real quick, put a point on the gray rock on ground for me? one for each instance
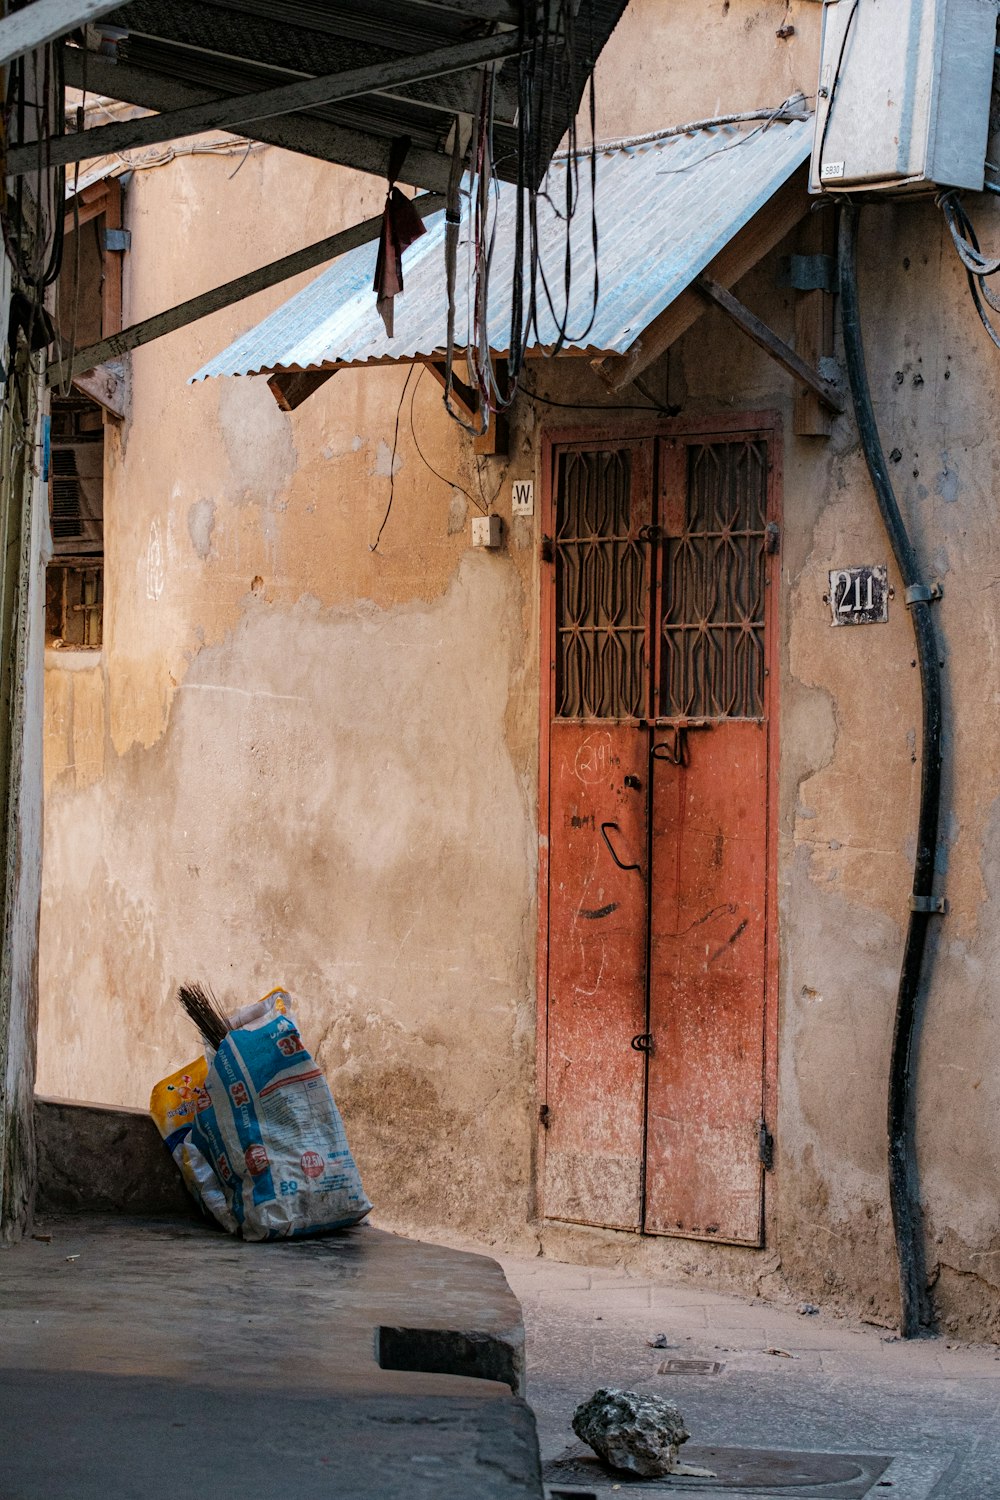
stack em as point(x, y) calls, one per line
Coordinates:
point(637, 1433)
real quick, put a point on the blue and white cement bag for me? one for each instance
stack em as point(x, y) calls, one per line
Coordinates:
point(265, 1125)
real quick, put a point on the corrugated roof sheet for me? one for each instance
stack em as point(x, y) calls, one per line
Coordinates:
point(665, 208)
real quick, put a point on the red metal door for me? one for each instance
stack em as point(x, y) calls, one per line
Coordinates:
point(658, 784)
point(709, 862)
point(598, 799)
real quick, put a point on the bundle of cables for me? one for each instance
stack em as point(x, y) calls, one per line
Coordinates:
point(552, 68)
point(977, 265)
point(32, 212)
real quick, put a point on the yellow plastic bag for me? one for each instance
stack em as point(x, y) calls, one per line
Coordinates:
point(174, 1104)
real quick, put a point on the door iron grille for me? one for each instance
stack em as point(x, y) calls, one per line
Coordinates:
point(601, 589)
point(712, 654)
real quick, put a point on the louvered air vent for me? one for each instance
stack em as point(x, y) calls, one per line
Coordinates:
point(66, 518)
point(76, 496)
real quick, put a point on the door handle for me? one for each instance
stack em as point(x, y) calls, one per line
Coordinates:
point(611, 851)
point(643, 1042)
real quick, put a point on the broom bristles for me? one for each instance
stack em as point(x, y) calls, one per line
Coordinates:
point(205, 1011)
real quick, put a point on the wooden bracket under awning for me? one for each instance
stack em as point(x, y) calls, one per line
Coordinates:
point(291, 387)
point(107, 387)
point(768, 340)
point(768, 227)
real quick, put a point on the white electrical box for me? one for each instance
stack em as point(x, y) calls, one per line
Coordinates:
point(487, 531)
point(904, 95)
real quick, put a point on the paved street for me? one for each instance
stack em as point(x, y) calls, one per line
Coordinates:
point(147, 1358)
point(919, 1419)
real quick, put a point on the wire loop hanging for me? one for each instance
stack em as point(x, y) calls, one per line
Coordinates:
point(977, 265)
point(557, 59)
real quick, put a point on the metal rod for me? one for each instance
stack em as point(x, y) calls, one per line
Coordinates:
point(901, 1106)
point(226, 112)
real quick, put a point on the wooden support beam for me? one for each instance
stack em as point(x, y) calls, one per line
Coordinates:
point(233, 291)
point(768, 340)
point(495, 441)
point(243, 110)
point(814, 321)
point(305, 134)
point(464, 397)
point(254, 31)
point(111, 263)
point(106, 387)
point(85, 211)
point(766, 229)
point(291, 387)
point(34, 25)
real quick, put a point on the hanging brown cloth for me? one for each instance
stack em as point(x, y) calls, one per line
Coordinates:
point(401, 225)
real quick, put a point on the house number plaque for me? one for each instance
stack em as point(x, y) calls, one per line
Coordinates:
point(859, 596)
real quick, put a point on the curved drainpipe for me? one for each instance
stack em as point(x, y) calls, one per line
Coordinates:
point(903, 1184)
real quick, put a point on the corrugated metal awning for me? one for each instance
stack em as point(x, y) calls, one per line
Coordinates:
point(665, 208)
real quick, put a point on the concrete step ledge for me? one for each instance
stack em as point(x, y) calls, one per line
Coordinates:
point(102, 1158)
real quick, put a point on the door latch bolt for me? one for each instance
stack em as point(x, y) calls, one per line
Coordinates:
point(765, 1142)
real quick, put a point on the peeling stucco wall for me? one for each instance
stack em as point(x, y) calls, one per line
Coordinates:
point(331, 806)
point(297, 760)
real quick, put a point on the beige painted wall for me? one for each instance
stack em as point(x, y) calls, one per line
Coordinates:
point(299, 761)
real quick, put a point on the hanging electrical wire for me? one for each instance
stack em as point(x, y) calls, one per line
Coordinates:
point(452, 484)
point(566, 69)
point(977, 265)
point(373, 546)
point(556, 61)
point(31, 226)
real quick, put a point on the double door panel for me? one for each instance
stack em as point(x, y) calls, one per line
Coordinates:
point(658, 837)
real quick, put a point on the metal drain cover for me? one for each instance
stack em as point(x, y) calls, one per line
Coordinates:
point(738, 1471)
point(690, 1367)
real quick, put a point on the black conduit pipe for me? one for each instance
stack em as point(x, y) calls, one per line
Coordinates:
point(903, 1184)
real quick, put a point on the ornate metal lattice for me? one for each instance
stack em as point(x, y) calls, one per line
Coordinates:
point(712, 651)
point(601, 589)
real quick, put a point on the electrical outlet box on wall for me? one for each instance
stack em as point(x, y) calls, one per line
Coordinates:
point(487, 531)
point(903, 102)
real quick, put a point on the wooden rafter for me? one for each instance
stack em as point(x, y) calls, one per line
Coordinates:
point(306, 134)
point(244, 110)
point(288, 50)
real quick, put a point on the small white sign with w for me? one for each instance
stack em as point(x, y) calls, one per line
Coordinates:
point(522, 501)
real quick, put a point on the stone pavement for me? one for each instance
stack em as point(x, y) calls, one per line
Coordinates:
point(143, 1359)
point(840, 1411)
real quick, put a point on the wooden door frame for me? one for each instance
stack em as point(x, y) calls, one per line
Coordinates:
point(603, 434)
